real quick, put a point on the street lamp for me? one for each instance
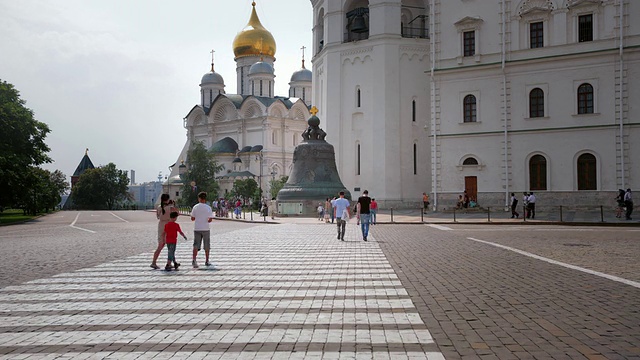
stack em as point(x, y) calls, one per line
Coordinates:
point(260, 157)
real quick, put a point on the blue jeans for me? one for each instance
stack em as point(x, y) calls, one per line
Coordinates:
point(364, 224)
point(373, 216)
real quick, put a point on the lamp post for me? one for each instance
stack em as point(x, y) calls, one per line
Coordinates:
point(260, 157)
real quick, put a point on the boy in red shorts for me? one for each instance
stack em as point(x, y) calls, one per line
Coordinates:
point(172, 228)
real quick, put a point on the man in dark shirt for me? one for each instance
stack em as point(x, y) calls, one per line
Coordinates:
point(364, 213)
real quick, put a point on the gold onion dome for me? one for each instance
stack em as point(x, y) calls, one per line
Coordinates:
point(254, 39)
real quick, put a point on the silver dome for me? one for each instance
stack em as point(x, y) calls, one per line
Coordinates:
point(261, 67)
point(302, 75)
point(212, 78)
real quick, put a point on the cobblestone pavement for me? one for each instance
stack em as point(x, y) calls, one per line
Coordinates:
point(278, 291)
point(292, 290)
point(480, 301)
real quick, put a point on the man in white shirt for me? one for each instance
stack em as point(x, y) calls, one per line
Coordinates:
point(340, 206)
point(532, 205)
point(202, 215)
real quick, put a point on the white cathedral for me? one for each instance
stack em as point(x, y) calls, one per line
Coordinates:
point(442, 96)
point(253, 133)
point(488, 96)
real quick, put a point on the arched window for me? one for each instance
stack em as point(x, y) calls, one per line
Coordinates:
point(358, 98)
point(585, 99)
point(470, 161)
point(536, 103)
point(413, 111)
point(538, 173)
point(587, 176)
point(470, 108)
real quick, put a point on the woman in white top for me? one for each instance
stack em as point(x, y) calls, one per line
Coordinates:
point(163, 212)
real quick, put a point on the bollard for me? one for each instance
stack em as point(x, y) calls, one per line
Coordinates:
point(391, 215)
point(560, 213)
point(601, 214)
point(524, 213)
point(421, 214)
point(454, 215)
point(252, 216)
point(488, 213)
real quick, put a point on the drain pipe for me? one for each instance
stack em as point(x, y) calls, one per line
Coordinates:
point(504, 99)
point(620, 108)
point(434, 167)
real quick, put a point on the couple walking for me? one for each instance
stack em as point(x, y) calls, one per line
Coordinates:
point(168, 229)
point(342, 212)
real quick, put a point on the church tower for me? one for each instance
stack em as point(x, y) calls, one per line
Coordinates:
point(211, 86)
point(252, 45)
point(300, 84)
point(369, 61)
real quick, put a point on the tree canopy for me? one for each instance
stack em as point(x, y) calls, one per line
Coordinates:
point(101, 188)
point(22, 145)
point(245, 190)
point(277, 185)
point(201, 171)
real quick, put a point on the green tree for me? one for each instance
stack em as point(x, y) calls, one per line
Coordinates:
point(246, 190)
point(101, 188)
point(277, 185)
point(42, 191)
point(21, 144)
point(201, 170)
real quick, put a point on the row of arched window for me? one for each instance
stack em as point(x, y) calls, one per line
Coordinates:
point(585, 99)
point(585, 170)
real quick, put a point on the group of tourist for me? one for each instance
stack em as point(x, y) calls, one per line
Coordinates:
point(625, 204)
point(168, 230)
point(339, 209)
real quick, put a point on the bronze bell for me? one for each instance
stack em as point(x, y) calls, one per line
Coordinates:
point(359, 25)
point(314, 176)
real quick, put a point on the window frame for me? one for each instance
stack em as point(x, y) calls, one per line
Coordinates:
point(539, 110)
point(537, 34)
point(538, 178)
point(467, 110)
point(587, 172)
point(585, 99)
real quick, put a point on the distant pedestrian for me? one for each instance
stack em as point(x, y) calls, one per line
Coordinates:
point(327, 210)
point(342, 211)
point(620, 203)
point(364, 213)
point(425, 201)
point(374, 211)
point(628, 203)
point(320, 211)
point(525, 204)
point(202, 215)
point(514, 206)
point(333, 213)
point(532, 205)
point(172, 228)
point(467, 200)
point(163, 214)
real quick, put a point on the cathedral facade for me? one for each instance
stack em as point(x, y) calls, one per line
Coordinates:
point(253, 133)
point(491, 97)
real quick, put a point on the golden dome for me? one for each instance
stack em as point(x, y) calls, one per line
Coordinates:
point(254, 39)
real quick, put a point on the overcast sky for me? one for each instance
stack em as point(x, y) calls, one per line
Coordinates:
point(118, 76)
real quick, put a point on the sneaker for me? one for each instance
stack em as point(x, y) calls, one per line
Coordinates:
point(167, 268)
point(194, 264)
point(338, 236)
point(365, 238)
point(176, 265)
point(207, 263)
point(342, 238)
point(154, 266)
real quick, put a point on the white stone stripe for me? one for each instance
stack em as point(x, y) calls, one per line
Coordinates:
point(203, 304)
point(228, 294)
point(410, 355)
point(373, 318)
point(375, 337)
point(205, 285)
point(194, 275)
point(231, 271)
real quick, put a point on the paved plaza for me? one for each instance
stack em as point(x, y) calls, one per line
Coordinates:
point(291, 290)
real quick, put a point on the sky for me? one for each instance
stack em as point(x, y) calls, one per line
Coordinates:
point(118, 76)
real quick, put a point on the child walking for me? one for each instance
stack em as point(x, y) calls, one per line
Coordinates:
point(172, 228)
